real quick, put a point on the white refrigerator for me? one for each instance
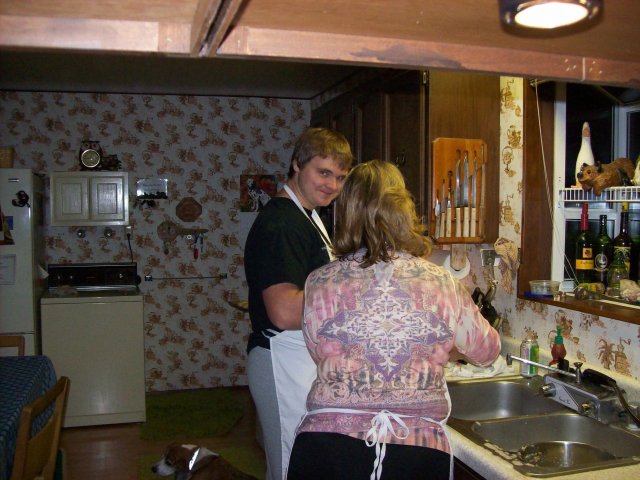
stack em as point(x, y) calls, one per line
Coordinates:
point(22, 272)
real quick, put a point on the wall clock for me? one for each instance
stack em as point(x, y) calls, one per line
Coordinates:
point(90, 154)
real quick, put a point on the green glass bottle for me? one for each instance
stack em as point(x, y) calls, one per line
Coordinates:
point(584, 249)
point(603, 254)
point(623, 243)
point(617, 271)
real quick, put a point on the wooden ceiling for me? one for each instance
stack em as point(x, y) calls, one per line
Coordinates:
point(464, 35)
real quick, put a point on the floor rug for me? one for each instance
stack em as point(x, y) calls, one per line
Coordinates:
point(242, 458)
point(190, 414)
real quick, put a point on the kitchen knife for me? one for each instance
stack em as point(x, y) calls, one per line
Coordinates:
point(443, 212)
point(472, 214)
point(457, 201)
point(449, 206)
point(437, 216)
point(483, 183)
point(465, 195)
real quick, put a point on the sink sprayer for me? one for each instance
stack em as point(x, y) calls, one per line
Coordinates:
point(589, 393)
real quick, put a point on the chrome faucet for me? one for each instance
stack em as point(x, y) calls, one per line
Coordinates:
point(590, 393)
point(577, 375)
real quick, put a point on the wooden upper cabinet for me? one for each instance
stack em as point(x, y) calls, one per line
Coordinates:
point(89, 198)
point(405, 131)
point(369, 125)
point(384, 119)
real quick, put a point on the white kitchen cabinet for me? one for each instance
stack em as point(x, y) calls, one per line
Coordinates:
point(89, 198)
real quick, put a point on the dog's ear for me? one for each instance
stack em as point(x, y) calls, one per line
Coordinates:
point(177, 456)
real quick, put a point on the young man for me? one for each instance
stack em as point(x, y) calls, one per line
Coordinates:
point(287, 242)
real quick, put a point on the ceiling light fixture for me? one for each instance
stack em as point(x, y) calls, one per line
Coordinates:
point(548, 14)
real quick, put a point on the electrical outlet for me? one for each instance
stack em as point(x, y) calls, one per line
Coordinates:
point(488, 257)
point(128, 229)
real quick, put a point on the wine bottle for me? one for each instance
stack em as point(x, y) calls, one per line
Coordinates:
point(584, 249)
point(617, 271)
point(623, 243)
point(585, 154)
point(603, 254)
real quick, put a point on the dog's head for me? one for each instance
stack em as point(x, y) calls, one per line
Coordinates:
point(180, 460)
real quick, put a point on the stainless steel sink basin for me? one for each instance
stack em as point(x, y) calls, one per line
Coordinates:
point(515, 397)
point(538, 436)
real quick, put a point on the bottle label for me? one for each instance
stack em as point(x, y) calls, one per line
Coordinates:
point(529, 350)
point(626, 255)
point(601, 262)
point(587, 252)
point(584, 264)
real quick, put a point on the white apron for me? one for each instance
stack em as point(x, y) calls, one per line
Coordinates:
point(383, 423)
point(294, 371)
point(293, 368)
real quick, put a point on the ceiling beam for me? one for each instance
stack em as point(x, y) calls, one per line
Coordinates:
point(404, 53)
point(219, 27)
point(94, 34)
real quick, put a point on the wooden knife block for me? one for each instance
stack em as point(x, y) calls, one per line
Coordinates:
point(446, 152)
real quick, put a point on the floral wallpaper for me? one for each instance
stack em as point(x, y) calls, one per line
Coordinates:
point(193, 336)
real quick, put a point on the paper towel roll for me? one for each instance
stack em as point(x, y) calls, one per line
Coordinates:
point(443, 259)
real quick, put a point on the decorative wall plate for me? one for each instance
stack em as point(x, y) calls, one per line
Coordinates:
point(188, 210)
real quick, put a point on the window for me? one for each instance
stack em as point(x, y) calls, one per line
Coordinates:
point(615, 132)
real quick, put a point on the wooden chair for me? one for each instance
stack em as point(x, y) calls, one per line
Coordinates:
point(17, 341)
point(35, 457)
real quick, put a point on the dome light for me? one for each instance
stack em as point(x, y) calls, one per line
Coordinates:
point(548, 14)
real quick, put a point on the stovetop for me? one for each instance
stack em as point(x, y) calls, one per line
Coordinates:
point(93, 277)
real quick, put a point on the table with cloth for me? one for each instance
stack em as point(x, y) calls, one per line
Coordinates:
point(22, 380)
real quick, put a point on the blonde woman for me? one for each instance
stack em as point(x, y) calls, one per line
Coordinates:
point(379, 323)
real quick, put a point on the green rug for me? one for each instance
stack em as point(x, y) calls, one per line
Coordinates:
point(190, 414)
point(240, 457)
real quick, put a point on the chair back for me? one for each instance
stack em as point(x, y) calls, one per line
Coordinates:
point(36, 455)
point(17, 341)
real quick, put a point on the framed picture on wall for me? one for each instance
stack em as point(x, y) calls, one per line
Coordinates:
point(256, 191)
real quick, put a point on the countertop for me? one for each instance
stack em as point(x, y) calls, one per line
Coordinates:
point(492, 467)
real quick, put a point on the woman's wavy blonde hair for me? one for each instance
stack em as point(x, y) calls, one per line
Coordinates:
point(375, 211)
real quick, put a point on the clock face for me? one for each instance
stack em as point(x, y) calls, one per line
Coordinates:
point(90, 158)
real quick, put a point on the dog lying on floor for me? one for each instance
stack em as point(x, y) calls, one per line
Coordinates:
point(191, 462)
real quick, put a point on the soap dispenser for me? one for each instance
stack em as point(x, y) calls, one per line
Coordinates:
point(558, 351)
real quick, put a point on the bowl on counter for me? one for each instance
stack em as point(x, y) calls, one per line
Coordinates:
point(544, 287)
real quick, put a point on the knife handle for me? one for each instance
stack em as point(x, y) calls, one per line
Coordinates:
point(472, 222)
point(437, 228)
point(465, 222)
point(458, 222)
point(447, 232)
point(443, 219)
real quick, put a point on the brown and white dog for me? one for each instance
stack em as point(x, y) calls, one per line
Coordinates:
point(191, 462)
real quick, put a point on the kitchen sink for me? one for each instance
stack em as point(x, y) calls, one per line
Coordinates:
point(537, 435)
point(515, 397)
